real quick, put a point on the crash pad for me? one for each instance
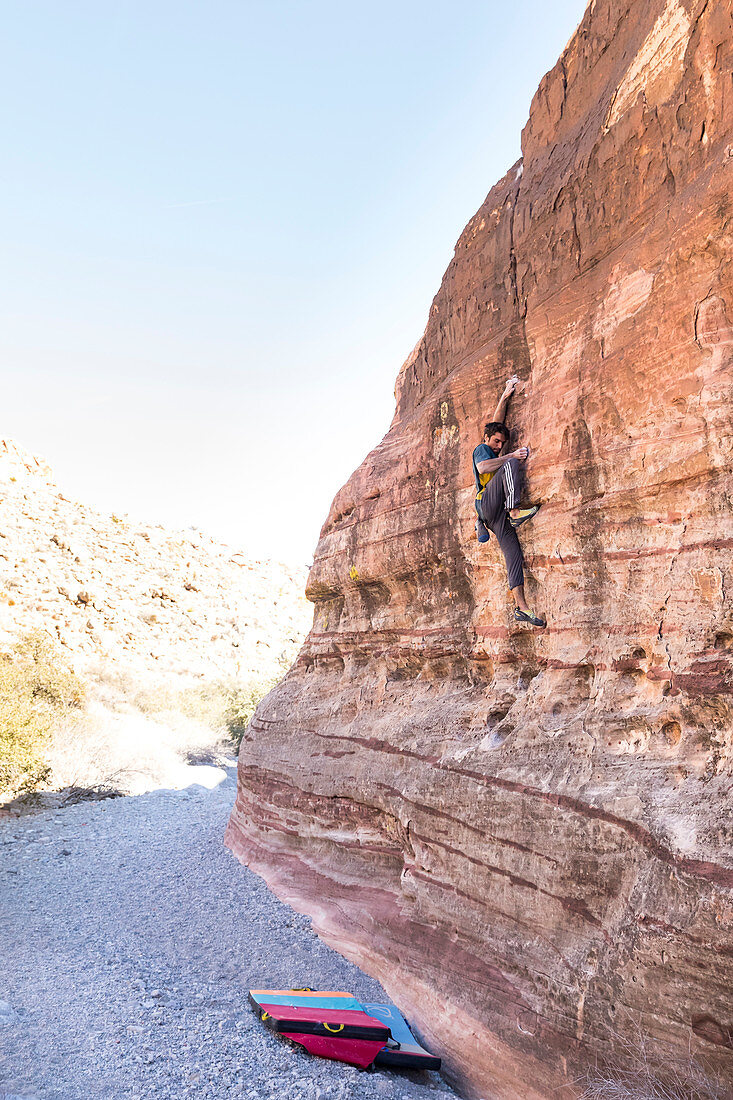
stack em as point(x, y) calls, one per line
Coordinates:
point(298, 993)
point(356, 1052)
point(410, 1054)
point(312, 999)
point(334, 1024)
point(307, 1020)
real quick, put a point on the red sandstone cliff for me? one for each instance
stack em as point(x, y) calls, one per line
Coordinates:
point(526, 835)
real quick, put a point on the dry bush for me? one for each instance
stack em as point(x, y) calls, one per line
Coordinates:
point(84, 756)
point(641, 1071)
point(128, 738)
point(38, 693)
point(629, 1085)
point(134, 737)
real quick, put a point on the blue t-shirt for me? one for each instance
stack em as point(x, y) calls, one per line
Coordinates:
point(481, 454)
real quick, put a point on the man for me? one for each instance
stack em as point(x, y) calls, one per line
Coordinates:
point(498, 487)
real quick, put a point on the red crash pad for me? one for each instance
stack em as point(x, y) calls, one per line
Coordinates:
point(357, 1052)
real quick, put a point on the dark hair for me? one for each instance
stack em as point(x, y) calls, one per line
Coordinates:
point(495, 426)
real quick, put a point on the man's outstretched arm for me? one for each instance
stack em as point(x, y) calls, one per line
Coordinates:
point(500, 410)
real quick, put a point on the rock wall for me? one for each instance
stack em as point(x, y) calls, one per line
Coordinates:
point(527, 835)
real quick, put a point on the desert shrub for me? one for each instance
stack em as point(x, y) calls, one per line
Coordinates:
point(37, 692)
point(223, 706)
point(240, 704)
point(226, 706)
point(242, 699)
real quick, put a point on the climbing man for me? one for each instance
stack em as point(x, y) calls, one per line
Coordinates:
point(498, 488)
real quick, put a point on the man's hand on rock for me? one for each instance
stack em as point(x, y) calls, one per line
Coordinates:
point(510, 387)
point(522, 453)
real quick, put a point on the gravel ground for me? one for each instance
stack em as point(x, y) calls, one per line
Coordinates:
point(130, 937)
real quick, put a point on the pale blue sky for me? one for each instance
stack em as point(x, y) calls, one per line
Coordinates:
point(224, 225)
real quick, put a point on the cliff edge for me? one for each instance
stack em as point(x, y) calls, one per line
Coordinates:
point(526, 836)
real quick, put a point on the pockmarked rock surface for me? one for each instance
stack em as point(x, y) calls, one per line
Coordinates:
point(527, 835)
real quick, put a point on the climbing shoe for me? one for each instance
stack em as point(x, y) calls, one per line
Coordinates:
point(524, 515)
point(528, 617)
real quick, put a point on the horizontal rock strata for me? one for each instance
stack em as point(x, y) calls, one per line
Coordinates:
point(527, 835)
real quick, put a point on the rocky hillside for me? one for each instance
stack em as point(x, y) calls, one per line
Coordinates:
point(174, 636)
point(527, 835)
point(148, 602)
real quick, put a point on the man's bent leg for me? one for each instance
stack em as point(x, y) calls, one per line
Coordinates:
point(501, 493)
point(513, 478)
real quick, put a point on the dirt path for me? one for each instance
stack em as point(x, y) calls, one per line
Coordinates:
point(130, 937)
